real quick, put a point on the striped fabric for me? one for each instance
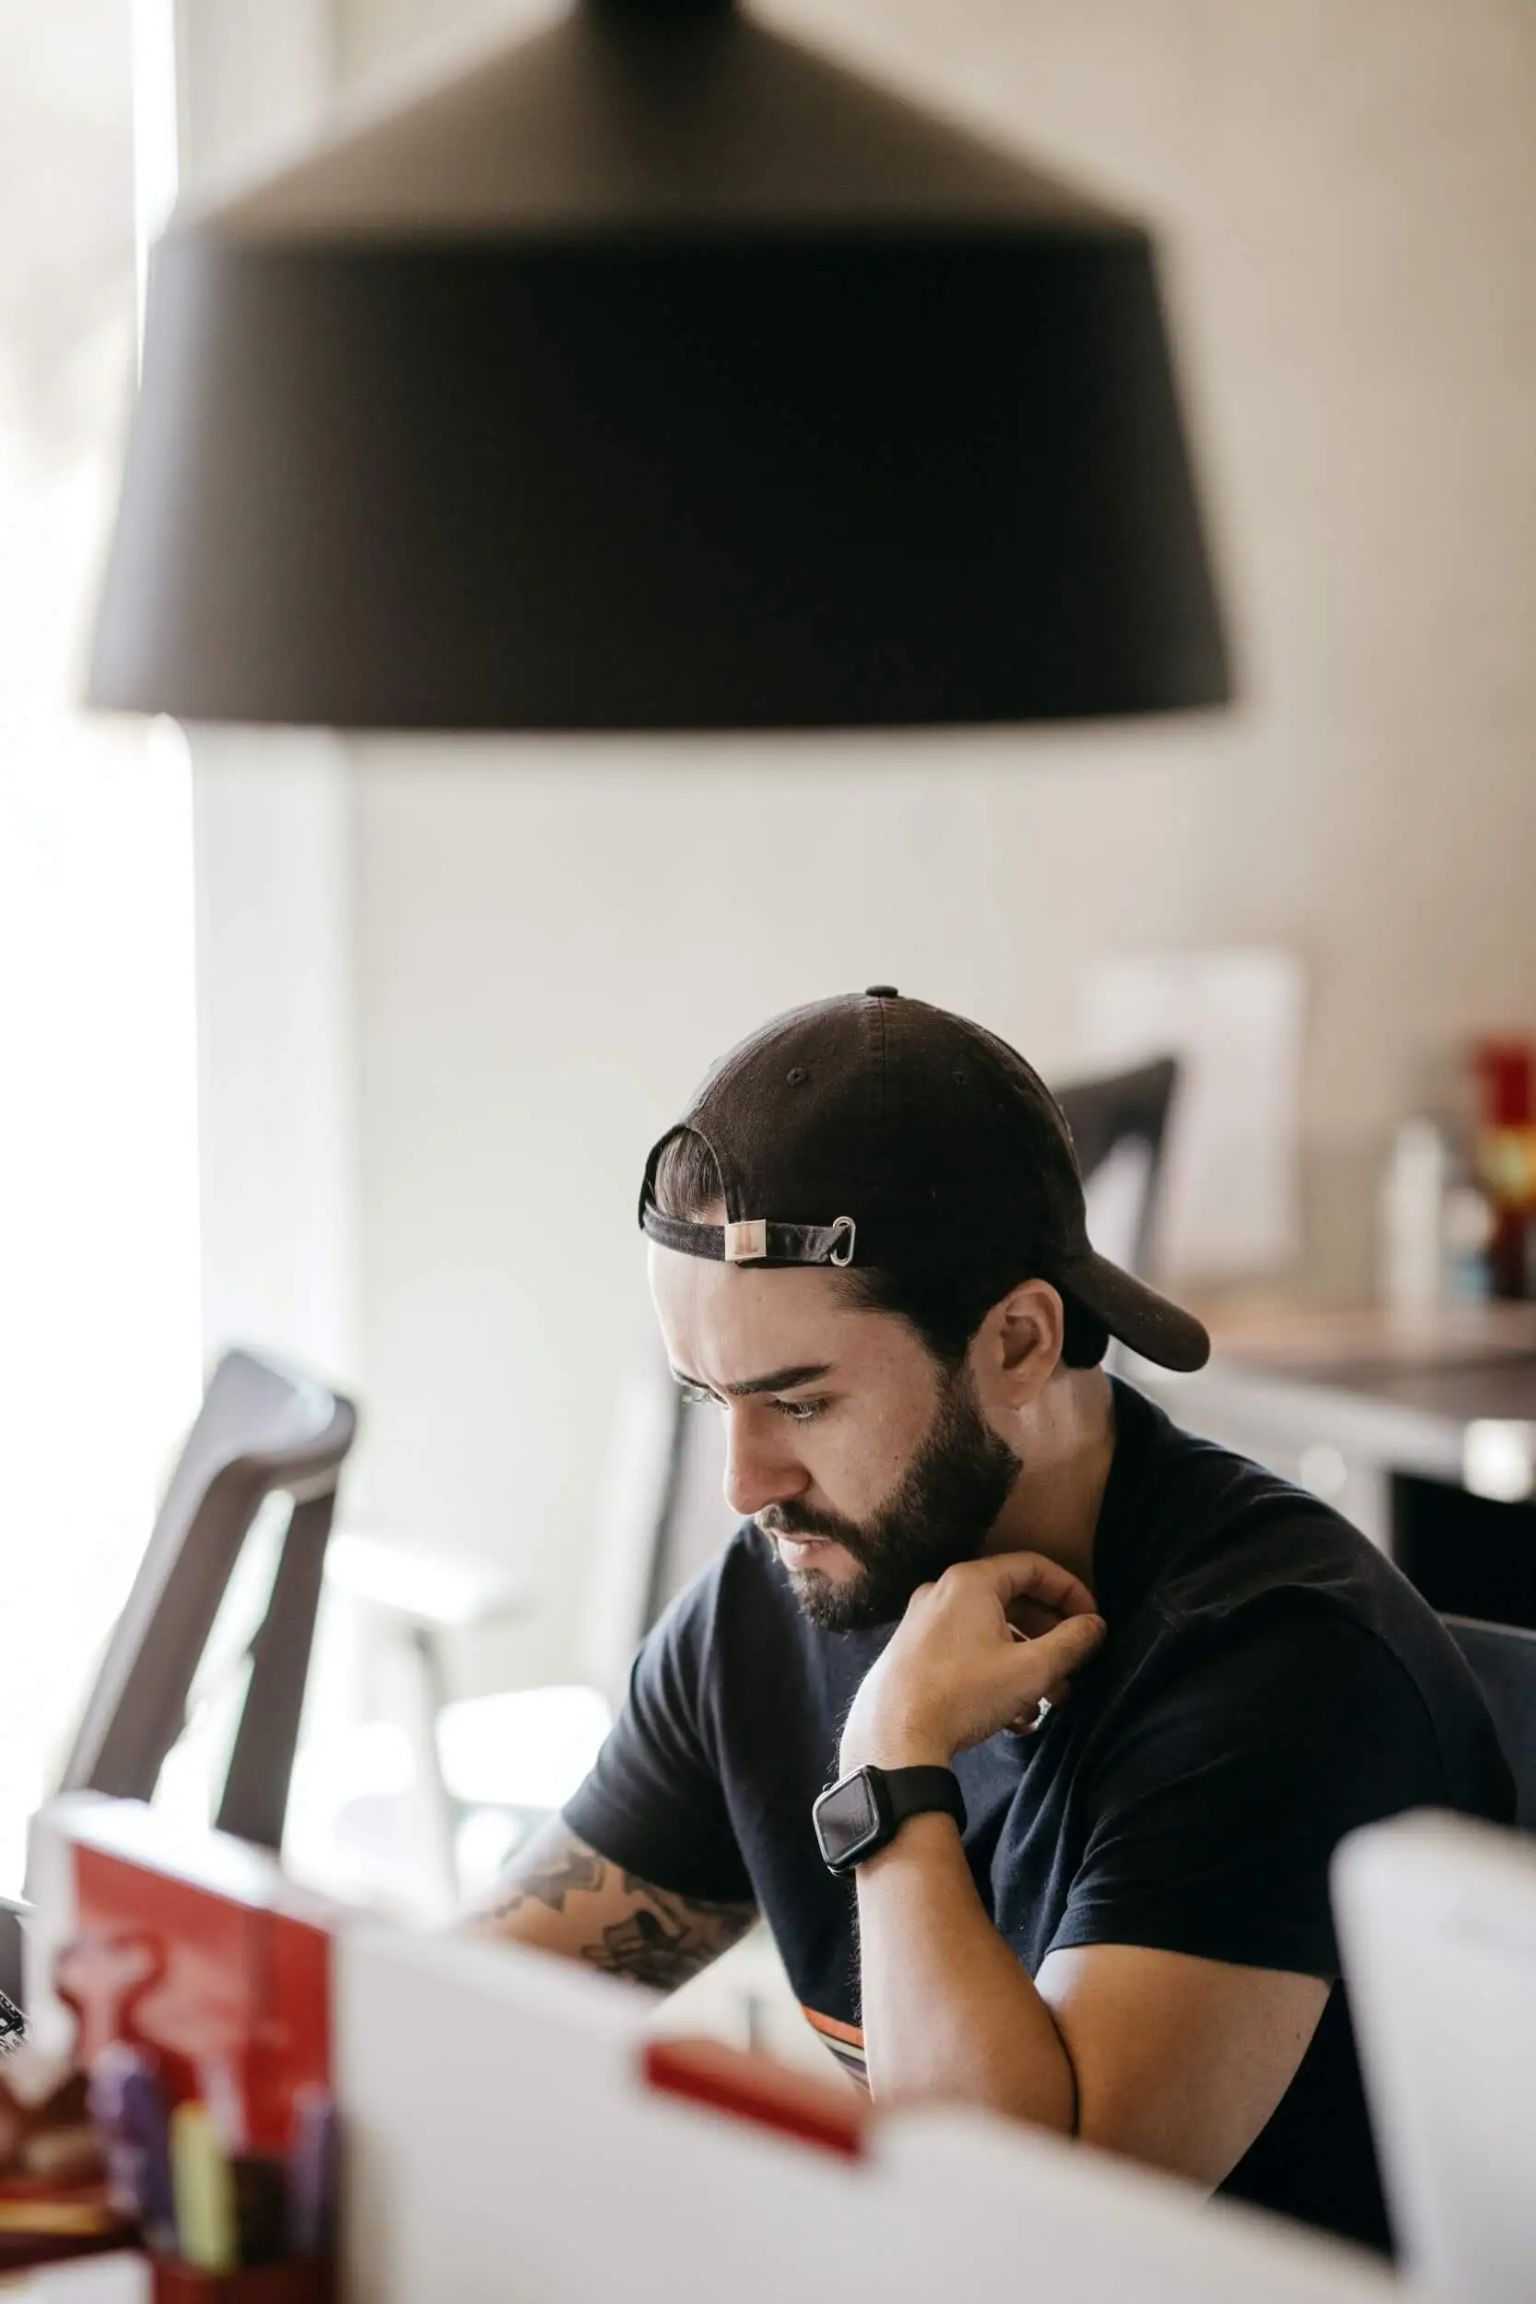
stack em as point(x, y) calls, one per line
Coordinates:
point(846, 2042)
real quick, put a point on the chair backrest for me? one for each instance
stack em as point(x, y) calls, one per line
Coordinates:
point(263, 1430)
point(1119, 1125)
point(1503, 1662)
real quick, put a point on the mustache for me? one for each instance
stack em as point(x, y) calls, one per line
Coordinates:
point(798, 1520)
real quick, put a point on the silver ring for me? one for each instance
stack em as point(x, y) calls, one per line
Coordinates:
point(1043, 1711)
point(843, 1224)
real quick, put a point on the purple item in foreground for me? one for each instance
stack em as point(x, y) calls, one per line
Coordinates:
point(126, 2103)
point(312, 2174)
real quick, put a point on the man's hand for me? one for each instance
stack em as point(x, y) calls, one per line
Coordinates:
point(1177, 2060)
point(959, 1668)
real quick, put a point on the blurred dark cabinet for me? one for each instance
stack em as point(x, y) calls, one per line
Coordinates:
point(1432, 1457)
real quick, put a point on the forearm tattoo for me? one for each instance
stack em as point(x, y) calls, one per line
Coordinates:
point(666, 1938)
point(658, 1938)
point(575, 1867)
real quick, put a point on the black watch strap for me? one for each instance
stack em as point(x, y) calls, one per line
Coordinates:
point(863, 1812)
point(915, 1791)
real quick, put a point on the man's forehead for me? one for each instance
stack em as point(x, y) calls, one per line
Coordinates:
point(729, 1327)
point(744, 1298)
point(745, 1321)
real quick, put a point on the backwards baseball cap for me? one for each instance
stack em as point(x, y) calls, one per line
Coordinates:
point(873, 1130)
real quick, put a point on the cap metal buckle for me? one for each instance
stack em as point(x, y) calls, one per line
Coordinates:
point(843, 1224)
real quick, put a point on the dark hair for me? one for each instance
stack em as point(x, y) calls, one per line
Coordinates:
point(945, 1307)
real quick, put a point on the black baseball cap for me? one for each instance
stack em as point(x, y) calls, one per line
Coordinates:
point(874, 1130)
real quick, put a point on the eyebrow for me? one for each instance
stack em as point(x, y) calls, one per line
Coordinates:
point(777, 1380)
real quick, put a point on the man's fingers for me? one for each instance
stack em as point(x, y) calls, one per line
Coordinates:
point(1041, 1670)
point(1030, 1576)
point(1044, 1664)
point(1070, 1645)
point(1031, 1617)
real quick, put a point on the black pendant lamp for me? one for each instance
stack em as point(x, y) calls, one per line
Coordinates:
point(657, 374)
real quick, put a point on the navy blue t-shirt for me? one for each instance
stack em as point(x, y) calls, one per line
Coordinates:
point(1269, 1680)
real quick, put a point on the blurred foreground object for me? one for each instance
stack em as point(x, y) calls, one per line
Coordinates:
point(191, 1993)
point(1437, 1925)
point(477, 2086)
point(656, 373)
point(474, 2123)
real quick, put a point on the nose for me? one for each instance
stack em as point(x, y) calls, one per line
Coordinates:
point(760, 1468)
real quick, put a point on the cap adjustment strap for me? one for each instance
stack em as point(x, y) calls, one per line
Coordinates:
point(754, 1240)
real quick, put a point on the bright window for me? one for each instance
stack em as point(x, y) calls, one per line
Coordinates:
point(98, 1209)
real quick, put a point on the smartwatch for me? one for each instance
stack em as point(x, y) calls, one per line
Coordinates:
point(863, 1812)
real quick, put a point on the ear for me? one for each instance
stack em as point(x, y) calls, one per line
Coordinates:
point(1017, 1349)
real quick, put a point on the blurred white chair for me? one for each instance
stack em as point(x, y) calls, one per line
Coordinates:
point(370, 1817)
point(416, 1811)
point(513, 1759)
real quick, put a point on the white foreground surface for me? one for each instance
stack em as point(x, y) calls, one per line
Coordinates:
point(502, 2143)
point(1437, 1921)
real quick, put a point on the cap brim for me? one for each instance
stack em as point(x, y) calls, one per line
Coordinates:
point(1129, 1309)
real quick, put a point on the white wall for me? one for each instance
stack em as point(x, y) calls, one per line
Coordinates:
point(273, 838)
point(551, 939)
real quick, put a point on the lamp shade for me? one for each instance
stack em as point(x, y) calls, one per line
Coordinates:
point(658, 373)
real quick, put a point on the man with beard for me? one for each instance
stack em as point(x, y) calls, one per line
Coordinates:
point(1027, 1721)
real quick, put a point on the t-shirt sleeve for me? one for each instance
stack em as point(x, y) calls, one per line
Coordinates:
point(1215, 1813)
point(654, 1801)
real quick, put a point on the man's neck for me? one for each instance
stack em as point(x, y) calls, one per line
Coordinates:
point(1054, 1505)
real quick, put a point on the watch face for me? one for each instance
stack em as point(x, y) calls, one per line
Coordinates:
point(846, 1817)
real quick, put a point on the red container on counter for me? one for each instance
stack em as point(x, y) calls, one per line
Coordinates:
point(1505, 1073)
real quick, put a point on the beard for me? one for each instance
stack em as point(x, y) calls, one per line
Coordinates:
point(939, 1514)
